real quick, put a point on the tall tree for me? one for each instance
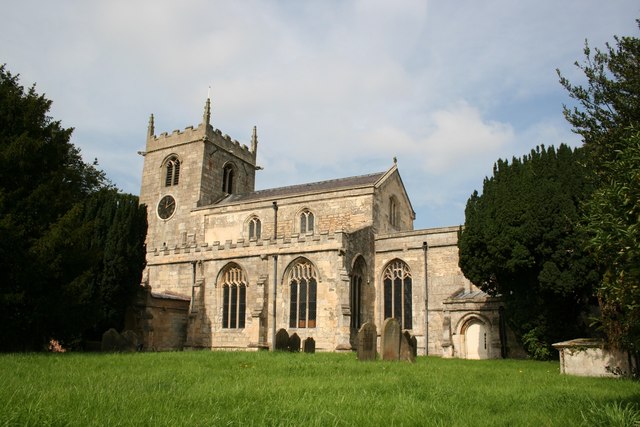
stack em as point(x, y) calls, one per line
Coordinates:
point(94, 257)
point(607, 116)
point(520, 241)
point(70, 248)
point(608, 106)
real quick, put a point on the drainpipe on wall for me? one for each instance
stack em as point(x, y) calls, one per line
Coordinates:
point(274, 293)
point(425, 248)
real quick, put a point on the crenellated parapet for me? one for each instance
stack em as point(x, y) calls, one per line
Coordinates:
point(203, 132)
point(298, 243)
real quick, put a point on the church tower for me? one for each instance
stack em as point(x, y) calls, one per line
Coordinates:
point(189, 169)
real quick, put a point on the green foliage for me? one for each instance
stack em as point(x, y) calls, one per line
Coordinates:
point(613, 225)
point(69, 247)
point(520, 241)
point(264, 388)
point(608, 118)
point(95, 254)
point(611, 414)
point(608, 107)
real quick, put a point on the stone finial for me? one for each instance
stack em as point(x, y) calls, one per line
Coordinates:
point(151, 129)
point(254, 140)
point(206, 117)
point(395, 160)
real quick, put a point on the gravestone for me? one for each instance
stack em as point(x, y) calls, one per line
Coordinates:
point(294, 343)
point(282, 340)
point(390, 339)
point(112, 341)
point(309, 345)
point(406, 351)
point(367, 337)
point(131, 341)
point(413, 343)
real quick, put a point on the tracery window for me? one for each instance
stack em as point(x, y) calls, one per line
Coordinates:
point(227, 178)
point(397, 293)
point(234, 297)
point(173, 172)
point(254, 228)
point(306, 221)
point(303, 289)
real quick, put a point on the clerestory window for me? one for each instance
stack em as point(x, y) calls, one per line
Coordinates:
point(306, 221)
point(254, 228)
point(302, 293)
point(234, 298)
point(173, 172)
point(397, 293)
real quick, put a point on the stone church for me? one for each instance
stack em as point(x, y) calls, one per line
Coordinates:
point(228, 266)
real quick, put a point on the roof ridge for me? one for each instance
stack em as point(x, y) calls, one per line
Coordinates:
point(318, 182)
point(350, 181)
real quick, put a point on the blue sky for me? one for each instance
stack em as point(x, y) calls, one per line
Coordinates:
point(336, 88)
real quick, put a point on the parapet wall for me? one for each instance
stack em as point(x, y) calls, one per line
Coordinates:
point(201, 132)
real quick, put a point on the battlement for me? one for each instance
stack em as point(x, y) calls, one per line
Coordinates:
point(254, 247)
point(199, 133)
point(177, 137)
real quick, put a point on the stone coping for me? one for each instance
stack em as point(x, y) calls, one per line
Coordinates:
point(580, 342)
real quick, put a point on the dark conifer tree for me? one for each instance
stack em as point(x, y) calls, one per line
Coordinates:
point(520, 241)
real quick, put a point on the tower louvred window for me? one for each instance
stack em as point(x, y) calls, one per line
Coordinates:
point(173, 172)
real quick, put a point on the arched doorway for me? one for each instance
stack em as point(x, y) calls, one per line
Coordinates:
point(476, 340)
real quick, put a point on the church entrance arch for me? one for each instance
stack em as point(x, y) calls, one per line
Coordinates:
point(476, 339)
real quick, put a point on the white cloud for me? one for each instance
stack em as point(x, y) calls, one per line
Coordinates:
point(335, 88)
point(461, 137)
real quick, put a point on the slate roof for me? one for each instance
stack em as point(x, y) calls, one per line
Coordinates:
point(313, 187)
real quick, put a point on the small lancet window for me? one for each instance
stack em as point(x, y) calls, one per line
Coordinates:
point(306, 221)
point(355, 293)
point(173, 172)
point(228, 178)
point(254, 228)
point(393, 212)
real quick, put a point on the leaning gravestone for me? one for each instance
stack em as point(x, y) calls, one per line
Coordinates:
point(367, 337)
point(131, 341)
point(390, 340)
point(282, 340)
point(294, 343)
point(406, 351)
point(309, 345)
point(413, 343)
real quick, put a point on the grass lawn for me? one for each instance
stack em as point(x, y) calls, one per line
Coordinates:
point(238, 388)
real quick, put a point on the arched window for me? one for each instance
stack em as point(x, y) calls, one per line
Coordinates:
point(173, 172)
point(254, 228)
point(303, 289)
point(227, 178)
point(306, 221)
point(397, 293)
point(355, 293)
point(393, 211)
point(234, 297)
